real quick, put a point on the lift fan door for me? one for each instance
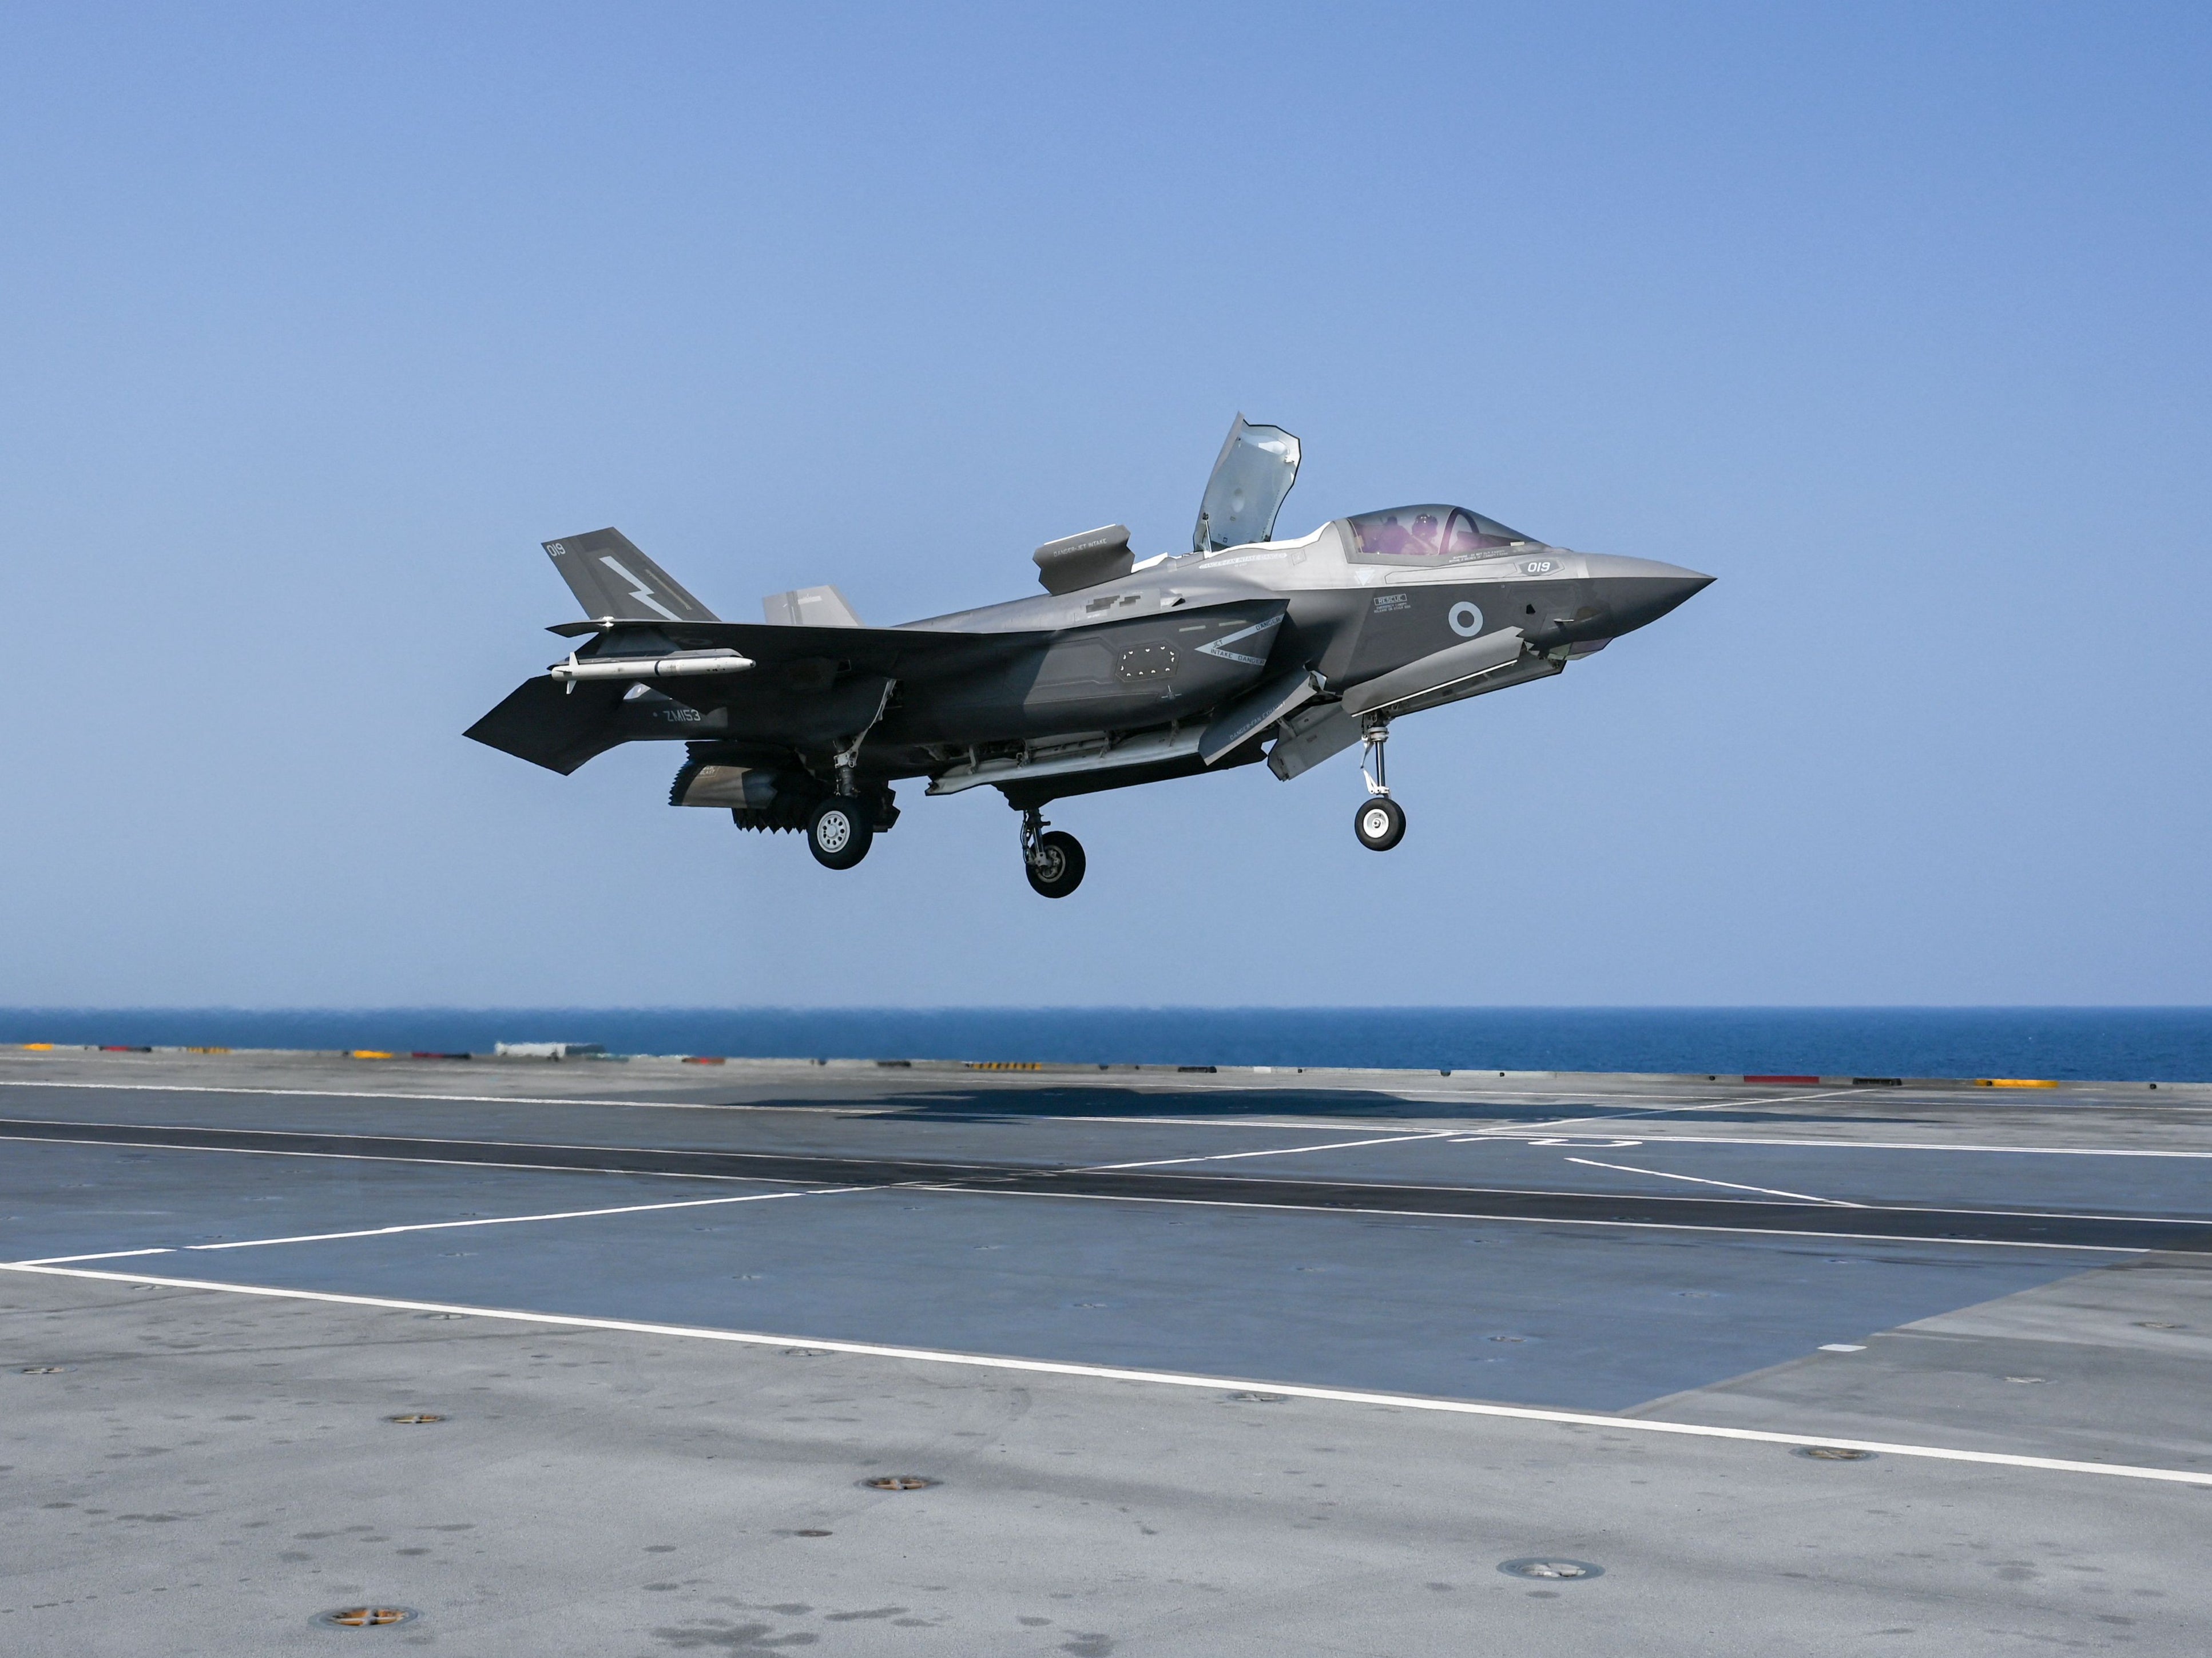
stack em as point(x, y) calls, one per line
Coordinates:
point(1258, 465)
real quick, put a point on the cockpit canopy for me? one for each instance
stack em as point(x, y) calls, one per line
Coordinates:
point(1429, 535)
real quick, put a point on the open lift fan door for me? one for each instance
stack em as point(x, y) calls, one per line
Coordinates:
point(1258, 465)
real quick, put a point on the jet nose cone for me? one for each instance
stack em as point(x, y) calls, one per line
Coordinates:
point(1676, 585)
point(1638, 591)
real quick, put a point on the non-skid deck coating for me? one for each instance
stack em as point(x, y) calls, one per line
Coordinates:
point(1935, 1272)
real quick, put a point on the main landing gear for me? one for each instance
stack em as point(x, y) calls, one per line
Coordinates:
point(1053, 862)
point(840, 832)
point(843, 827)
point(1380, 822)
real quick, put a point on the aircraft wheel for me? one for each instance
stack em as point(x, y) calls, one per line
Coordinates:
point(1380, 823)
point(840, 833)
point(1058, 869)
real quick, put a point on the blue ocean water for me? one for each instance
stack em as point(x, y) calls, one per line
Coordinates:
point(2155, 1044)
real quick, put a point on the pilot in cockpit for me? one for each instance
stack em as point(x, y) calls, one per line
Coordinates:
point(1391, 540)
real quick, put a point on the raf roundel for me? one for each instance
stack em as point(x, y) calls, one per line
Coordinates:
point(1466, 621)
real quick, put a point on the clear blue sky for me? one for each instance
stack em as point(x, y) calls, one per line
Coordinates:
point(318, 319)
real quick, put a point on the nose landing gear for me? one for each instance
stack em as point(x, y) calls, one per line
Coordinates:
point(1380, 822)
point(1053, 862)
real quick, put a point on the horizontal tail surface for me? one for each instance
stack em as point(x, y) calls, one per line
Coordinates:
point(542, 722)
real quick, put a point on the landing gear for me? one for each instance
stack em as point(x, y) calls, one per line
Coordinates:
point(840, 832)
point(1053, 862)
point(843, 827)
point(1380, 822)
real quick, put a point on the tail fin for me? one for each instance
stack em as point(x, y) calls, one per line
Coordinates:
point(809, 607)
point(609, 577)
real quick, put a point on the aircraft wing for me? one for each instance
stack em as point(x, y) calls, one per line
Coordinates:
point(899, 652)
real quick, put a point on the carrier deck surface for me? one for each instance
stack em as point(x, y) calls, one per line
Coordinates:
point(1228, 1362)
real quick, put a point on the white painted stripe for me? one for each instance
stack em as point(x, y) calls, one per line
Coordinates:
point(922, 1184)
point(1275, 1152)
point(448, 1225)
point(359, 1094)
point(1698, 1180)
point(525, 1220)
point(1156, 1378)
point(1660, 1136)
point(6, 1127)
point(1578, 1124)
point(1543, 1220)
point(1503, 1132)
point(380, 1156)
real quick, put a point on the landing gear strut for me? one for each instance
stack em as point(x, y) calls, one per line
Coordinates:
point(843, 827)
point(1053, 862)
point(1380, 822)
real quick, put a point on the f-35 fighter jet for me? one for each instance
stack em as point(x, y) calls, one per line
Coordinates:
point(1123, 671)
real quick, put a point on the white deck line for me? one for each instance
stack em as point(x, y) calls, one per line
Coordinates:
point(1907, 1145)
point(382, 1156)
point(1272, 1151)
point(1577, 1124)
point(1513, 1133)
point(1508, 1131)
point(946, 1182)
point(1156, 1378)
point(366, 1093)
point(1553, 1220)
point(1733, 1186)
point(446, 1225)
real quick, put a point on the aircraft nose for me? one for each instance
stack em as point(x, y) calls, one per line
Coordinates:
point(1638, 590)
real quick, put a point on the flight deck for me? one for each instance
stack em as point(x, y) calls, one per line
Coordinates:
point(650, 1356)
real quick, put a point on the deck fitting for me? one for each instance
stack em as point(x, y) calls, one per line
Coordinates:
point(1550, 1567)
point(366, 1616)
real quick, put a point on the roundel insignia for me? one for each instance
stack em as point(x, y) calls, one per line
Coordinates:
point(1466, 620)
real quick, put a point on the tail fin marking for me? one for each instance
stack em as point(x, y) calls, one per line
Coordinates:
point(611, 578)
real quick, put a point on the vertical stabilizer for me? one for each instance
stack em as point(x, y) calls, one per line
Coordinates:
point(809, 607)
point(611, 578)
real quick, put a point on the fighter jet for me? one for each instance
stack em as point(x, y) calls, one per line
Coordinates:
point(1124, 671)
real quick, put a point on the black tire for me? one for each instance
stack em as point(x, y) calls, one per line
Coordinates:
point(1059, 867)
point(1380, 823)
point(840, 832)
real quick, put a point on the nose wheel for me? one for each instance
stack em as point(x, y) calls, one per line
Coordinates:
point(1054, 862)
point(1380, 822)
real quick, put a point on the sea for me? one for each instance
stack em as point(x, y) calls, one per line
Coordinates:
point(2141, 1044)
